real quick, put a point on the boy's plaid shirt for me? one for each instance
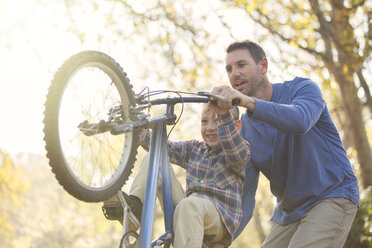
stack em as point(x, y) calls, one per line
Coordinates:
point(217, 174)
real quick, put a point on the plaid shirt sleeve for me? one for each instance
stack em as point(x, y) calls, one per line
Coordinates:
point(179, 151)
point(236, 148)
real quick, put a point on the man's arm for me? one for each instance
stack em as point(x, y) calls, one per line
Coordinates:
point(298, 116)
point(302, 110)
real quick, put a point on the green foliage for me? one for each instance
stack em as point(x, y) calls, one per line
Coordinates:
point(12, 187)
point(48, 216)
point(361, 231)
point(331, 41)
point(175, 48)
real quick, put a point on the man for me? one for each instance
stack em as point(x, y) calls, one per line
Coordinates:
point(295, 144)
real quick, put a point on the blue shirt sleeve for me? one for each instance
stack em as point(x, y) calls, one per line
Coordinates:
point(297, 116)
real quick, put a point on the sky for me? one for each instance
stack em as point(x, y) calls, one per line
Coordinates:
point(30, 50)
point(32, 47)
point(23, 81)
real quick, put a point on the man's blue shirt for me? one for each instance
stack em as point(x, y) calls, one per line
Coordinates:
point(296, 145)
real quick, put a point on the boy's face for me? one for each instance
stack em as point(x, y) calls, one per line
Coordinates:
point(209, 128)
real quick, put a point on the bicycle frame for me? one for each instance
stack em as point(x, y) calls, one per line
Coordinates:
point(66, 120)
point(158, 162)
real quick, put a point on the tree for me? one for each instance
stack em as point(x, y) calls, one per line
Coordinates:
point(12, 188)
point(48, 216)
point(337, 35)
point(173, 44)
point(360, 234)
point(330, 37)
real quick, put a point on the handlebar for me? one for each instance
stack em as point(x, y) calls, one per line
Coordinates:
point(205, 97)
point(234, 102)
point(175, 100)
point(142, 120)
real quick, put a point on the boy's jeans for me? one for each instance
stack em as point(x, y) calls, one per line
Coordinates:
point(194, 216)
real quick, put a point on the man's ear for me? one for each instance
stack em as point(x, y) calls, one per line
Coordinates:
point(264, 64)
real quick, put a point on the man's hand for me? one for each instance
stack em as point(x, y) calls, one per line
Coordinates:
point(224, 104)
point(228, 93)
point(231, 94)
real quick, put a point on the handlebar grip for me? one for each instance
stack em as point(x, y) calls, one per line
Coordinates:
point(234, 102)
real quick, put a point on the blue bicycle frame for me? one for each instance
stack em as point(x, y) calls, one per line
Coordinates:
point(159, 162)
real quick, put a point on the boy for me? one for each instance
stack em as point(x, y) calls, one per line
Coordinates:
point(214, 177)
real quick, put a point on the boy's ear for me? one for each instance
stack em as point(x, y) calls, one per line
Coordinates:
point(238, 123)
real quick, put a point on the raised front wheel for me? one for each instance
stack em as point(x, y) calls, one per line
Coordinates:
point(89, 94)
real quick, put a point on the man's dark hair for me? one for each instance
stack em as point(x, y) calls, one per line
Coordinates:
point(254, 49)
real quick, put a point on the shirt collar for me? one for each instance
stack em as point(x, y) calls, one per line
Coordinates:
point(211, 151)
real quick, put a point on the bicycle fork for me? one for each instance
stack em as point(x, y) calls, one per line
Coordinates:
point(159, 160)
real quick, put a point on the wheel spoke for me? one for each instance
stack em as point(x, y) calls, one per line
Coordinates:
point(85, 89)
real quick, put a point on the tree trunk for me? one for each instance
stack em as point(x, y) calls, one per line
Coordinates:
point(353, 109)
point(367, 92)
point(338, 35)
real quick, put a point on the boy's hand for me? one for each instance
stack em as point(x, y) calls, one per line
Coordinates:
point(217, 109)
point(219, 104)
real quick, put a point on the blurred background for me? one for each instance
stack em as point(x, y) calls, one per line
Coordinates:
point(177, 45)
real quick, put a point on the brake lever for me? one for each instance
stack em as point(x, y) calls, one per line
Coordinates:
point(209, 94)
point(206, 93)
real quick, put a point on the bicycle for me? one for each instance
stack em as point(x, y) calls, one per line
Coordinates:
point(92, 153)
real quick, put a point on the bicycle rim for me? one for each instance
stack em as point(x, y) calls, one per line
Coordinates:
point(91, 168)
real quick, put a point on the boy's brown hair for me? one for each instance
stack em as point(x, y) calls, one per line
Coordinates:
point(234, 111)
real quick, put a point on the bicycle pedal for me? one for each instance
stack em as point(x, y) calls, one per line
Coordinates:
point(113, 211)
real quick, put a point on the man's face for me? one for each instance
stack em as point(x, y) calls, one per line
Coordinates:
point(243, 72)
point(209, 129)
